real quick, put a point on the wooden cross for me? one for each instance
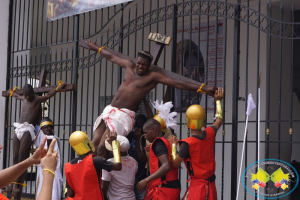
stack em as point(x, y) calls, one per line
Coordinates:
point(161, 41)
point(41, 87)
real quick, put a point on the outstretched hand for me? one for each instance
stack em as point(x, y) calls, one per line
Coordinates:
point(210, 90)
point(92, 45)
point(173, 139)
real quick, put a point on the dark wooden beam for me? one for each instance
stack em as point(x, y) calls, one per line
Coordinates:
point(43, 77)
point(39, 90)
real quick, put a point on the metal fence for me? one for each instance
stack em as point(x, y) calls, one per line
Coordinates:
point(232, 43)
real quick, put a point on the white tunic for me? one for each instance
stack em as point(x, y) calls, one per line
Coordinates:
point(121, 182)
point(58, 180)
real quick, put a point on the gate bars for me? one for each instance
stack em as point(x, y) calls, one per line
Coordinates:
point(259, 35)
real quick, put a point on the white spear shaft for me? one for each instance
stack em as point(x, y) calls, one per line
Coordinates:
point(258, 127)
point(239, 180)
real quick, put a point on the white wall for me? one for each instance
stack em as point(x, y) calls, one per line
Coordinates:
point(4, 10)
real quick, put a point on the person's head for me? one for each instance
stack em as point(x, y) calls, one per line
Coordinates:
point(152, 130)
point(28, 92)
point(143, 62)
point(140, 120)
point(47, 126)
point(81, 143)
point(124, 145)
point(195, 117)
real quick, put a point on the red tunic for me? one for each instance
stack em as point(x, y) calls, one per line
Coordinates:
point(201, 165)
point(154, 191)
point(83, 180)
point(2, 197)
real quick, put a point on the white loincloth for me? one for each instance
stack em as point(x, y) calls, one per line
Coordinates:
point(22, 128)
point(58, 180)
point(120, 120)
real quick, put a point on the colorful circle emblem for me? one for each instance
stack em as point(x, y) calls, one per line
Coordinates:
point(270, 178)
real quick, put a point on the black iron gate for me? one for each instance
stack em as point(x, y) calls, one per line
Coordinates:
point(233, 43)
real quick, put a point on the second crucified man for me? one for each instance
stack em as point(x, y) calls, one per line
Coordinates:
point(138, 81)
point(31, 115)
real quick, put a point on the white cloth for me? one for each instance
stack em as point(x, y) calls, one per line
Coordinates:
point(121, 182)
point(58, 180)
point(22, 128)
point(120, 120)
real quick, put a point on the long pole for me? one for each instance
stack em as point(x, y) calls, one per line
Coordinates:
point(258, 127)
point(241, 165)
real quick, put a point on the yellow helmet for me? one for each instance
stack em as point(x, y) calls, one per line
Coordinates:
point(161, 121)
point(81, 143)
point(195, 116)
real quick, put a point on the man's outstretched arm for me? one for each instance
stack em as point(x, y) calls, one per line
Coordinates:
point(110, 56)
point(17, 96)
point(182, 85)
point(52, 93)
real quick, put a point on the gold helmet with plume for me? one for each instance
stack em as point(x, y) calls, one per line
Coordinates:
point(81, 143)
point(164, 116)
point(195, 117)
point(161, 121)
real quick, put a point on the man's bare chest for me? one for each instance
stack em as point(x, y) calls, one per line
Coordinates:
point(137, 82)
point(31, 106)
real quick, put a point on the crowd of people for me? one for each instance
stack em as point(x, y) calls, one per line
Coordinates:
point(131, 156)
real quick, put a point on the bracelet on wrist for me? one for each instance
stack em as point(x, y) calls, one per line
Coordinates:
point(99, 50)
point(200, 89)
point(48, 170)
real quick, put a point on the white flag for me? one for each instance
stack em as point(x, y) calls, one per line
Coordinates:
point(250, 104)
point(60, 9)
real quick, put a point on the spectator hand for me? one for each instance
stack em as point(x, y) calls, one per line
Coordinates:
point(39, 153)
point(50, 160)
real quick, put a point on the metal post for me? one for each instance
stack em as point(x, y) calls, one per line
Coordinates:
point(119, 81)
point(174, 38)
point(235, 95)
point(75, 78)
point(7, 81)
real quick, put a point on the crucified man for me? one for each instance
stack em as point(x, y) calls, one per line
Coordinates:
point(138, 81)
point(31, 115)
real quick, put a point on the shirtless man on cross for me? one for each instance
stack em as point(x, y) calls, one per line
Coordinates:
point(31, 115)
point(138, 81)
